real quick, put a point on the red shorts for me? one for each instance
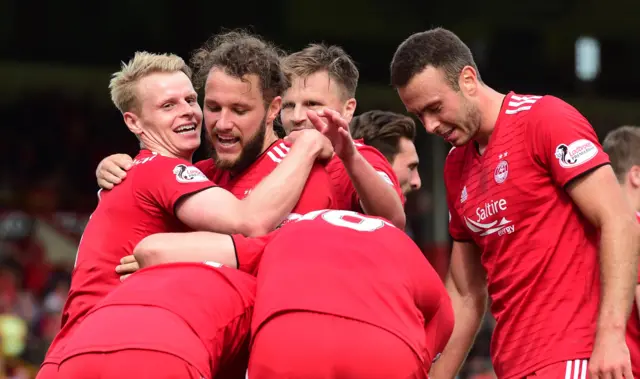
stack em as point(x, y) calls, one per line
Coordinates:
point(140, 364)
point(313, 345)
point(575, 369)
point(48, 371)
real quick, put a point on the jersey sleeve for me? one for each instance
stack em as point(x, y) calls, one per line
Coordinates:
point(563, 142)
point(207, 167)
point(165, 181)
point(382, 167)
point(456, 228)
point(249, 251)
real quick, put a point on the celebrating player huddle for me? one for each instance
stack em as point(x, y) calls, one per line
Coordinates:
point(286, 258)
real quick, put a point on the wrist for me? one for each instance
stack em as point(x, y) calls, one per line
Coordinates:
point(351, 160)
point(610, 327)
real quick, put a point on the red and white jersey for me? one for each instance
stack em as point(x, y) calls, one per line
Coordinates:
point(200, 312)
point(633, 331)
point(317, 193)
point(345, 193)
point(379, 277)
point(539, 252)
point(142, 205)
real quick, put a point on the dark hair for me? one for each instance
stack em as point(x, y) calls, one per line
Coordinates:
point(437, 47)
point(320, 57)
point(623, 147)
point(240, 53)
point(383, 131)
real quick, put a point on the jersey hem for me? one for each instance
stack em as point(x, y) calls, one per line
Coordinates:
point(547, 362)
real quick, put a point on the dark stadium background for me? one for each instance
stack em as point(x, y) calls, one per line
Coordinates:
point(58, 122)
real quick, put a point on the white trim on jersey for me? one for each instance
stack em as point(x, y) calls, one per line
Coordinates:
point(518, 105)
point(280, 150)
point(576, 369)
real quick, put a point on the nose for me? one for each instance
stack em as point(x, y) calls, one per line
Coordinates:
point(225, 122)
point(415, 181)
point(299, 114)
point(430, 124)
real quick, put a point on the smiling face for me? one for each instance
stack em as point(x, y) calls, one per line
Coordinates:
point(168, 117)
point(314, 92)
point(237, 123)
point(443, 111)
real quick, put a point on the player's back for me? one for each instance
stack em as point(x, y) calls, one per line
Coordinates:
point(123, 217)
point(354, 266)
point(176, 308)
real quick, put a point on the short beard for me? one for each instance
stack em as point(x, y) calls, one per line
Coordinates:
point(250, 152)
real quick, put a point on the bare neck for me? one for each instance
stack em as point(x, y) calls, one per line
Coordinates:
point(157, 148)
point(490, 102)
point(632, 196)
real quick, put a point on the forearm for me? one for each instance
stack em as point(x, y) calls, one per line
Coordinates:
point(377, 197)
point(469, 313)
point(185, 247)
point(619, 245)
point(276, 195)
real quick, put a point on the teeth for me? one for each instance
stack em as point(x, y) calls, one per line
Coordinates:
point(186, 128)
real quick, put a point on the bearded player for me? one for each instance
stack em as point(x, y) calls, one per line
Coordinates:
point(243, 83)
point(623, 147)
point(533, 203)
point(165, 192)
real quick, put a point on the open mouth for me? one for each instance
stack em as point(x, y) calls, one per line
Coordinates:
point(227, 141)
point(186, 129)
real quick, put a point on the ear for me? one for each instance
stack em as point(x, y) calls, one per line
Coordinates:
point(468, 80)
point(634, 176)
point(274, 109)
point(349, 108)
point(133, 123)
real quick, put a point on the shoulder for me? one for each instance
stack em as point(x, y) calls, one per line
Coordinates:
point(276, 152)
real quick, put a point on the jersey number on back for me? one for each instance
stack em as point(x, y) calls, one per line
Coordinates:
point(347, 219)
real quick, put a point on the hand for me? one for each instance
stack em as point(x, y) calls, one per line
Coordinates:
point(112, 170)
point(128, 265)
point(313, 140)
point(610, 357)
point(336, 129)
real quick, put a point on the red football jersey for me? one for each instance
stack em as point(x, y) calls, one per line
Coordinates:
point(176, 308)
point(539, 252)
point(380, 277)
point(317, 193)
point(142, 205)
point(633, 332)
point(345, 193)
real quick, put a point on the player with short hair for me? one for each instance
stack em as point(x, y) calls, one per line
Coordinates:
point(243, 83)
point(369, 308)
point(325, 77)
point(392, 134)
point(533, 204)
point(165, 192)
point(623, 147)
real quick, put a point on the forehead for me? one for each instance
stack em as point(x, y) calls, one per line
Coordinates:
point(407, 148)
point(163, 85)
point(426, 87)
point(222, 87)
point(319, 84)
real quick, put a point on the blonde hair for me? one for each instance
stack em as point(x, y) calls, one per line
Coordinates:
point(123, 83)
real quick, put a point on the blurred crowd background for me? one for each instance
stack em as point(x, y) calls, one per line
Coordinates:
point(58, 122)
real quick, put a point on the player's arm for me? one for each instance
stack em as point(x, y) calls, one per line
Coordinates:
point(467, 287)
point(186, 247)
point(377, 196)
point(112, 170)
point(266, 206)
point(598, 196)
